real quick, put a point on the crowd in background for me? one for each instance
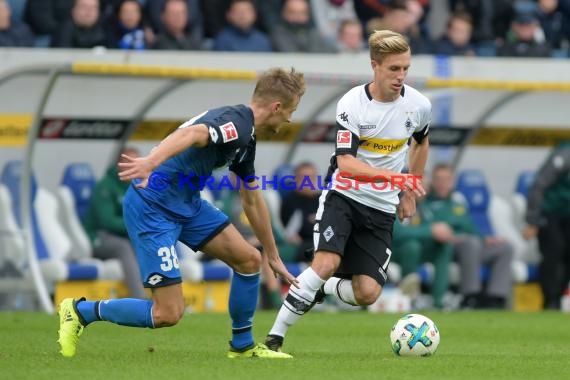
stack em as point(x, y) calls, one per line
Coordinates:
point(521, 28)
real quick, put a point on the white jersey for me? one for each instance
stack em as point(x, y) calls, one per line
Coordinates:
point(383, 130)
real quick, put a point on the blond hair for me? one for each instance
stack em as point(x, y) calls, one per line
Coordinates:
point(383, 43)
point(278, 84)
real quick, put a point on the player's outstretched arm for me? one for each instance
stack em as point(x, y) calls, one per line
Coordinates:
point(258, 216)
point(178, 141)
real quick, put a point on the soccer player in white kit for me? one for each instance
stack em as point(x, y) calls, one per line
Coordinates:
point(377, 123)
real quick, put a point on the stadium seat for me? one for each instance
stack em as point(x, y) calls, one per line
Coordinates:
point(519, 197)
point(524, 182)
point(473, 186)
point(531, 252)
point(80, 179)
point(12, 252)
point(273, 201)
point(81, 246)
point(74, 194)
point(509, 219)
point(52, 244)
point(493, 215)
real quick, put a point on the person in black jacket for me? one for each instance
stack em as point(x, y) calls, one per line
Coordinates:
point(456, 40)
point(45, 16)
point(84, 29)
point(523, 39)
point(548, 217)
point(176, 34)
point(125, 28)
point(12, 33)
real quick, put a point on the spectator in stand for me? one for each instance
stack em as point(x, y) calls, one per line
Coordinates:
point(351, 37)
point(329, 16)
point(241, 34)
point(176, 35)
point(525, 38)
point(456, 40)
point(46, 16)
point(269, 13)
point(473, 248)
point(154, 10)
point(84, 30)
point(553, 23)
point(367, 10)
point(13, 33)
point(402, 18)
point(214, 12)
point(564, 7)
point(126, 29)
point(482, 14)
point(294, 33)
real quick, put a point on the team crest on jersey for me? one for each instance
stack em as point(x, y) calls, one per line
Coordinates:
point(343, 139)
point(229, 132)
point(409, 125)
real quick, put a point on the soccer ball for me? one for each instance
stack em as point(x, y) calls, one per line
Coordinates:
point(414, 335)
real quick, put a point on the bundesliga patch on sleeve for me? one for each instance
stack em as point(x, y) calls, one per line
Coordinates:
point(344, 139)
point(229, 132)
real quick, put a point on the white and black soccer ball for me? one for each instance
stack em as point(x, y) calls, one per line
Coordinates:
point(414, 335)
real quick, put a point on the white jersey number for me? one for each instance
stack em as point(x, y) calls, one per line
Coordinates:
point(169, 258)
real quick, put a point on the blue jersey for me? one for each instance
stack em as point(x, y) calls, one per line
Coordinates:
point(231, 142)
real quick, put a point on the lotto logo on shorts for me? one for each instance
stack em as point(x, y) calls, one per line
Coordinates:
point(229, 132)
point(343, 139)
point(154, 279)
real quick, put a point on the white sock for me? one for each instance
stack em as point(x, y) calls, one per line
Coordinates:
point(297, 301)
point(342, 289)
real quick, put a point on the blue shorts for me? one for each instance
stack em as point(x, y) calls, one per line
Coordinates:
point(154, 234)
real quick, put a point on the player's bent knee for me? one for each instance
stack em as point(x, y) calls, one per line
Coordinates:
point(325, 264)
point(367, 296)
point(248, 262)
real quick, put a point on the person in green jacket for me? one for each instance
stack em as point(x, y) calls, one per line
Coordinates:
point(106, 229)
point(548, 216)
point(424, 239)
point(444, 226)
point(473, 249)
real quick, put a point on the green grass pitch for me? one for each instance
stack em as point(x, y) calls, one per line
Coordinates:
point(349, 345)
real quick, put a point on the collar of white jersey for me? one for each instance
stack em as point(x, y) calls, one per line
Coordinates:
point(369, 95)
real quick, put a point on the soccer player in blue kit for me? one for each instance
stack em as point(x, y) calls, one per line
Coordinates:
point(157, 216)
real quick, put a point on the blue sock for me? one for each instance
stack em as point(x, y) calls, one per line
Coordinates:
point(124, 311)
point(243, 301)
point(86, 310)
